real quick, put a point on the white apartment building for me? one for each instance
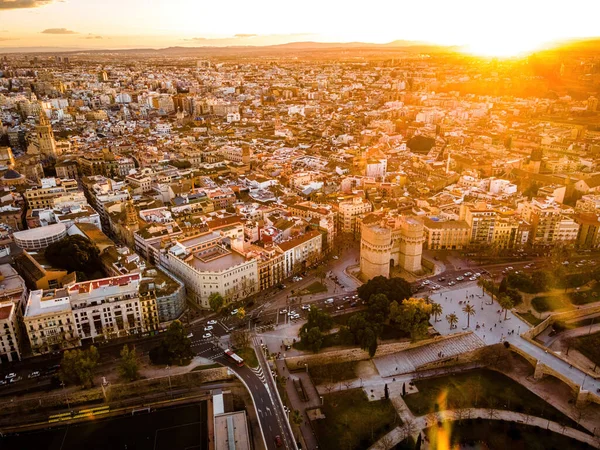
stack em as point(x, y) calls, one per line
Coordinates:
point(107, 308)
point(206, 265)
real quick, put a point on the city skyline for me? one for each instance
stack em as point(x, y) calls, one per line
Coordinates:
point(508, 29)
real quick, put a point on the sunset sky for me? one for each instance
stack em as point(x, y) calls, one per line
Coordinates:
point(484, 26)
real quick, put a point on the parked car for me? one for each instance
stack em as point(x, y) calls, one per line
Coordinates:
point(234, 312)
point(207, 335)
point(336, 257)
point(190, 335)
point(283, 311)
point(208, 328)
point(306, 307)
point(329, 301)
point(10, 375)
point(34, 374)
point(460, 278)
point(212, 322)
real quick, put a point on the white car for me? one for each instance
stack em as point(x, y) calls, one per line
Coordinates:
point(294, 316)
point(191, 335)
point(10, 375)
point(291, 313)
point(336, 257)
point(212, 322)
point(34, 374)
point(306, 307)
point(329, 301)
point(234, 312)
point(426, 282)
point(460, 278)
point(208, 328)
point(207, 335)
point(473, 278)
point(283, 311)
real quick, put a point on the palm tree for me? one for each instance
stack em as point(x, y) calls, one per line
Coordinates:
point(469, 311)
point(452, 320)
point(436, 310)
point(506, 303)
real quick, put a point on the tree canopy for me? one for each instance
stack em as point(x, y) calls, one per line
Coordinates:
point(215, 300)
point(395, 289)
point(411, 316)
point(75, 254)
point(175, 348)
point(311, 333)
point(129, 365)
point(77, 366)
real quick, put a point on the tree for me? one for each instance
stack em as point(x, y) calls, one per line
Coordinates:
point(297, 417)
point(506, 303)
point(321, 273)
point(395, 289)
point(365, 333)
point(469, 311)
point(436, 310)
point(314, 339)
point(241, 313)
point(418, 444)
point(215, 300)
point(77, 366)
point(411, 316)
point(378, 308)
point(129, 365)
point(240, 338)
point(74, 253)
point(177, 344)
point(452, 320)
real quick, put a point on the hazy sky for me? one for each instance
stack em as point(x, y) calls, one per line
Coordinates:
point(491, 26)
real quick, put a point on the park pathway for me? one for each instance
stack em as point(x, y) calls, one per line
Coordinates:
point(398, 434)
point(494, 329)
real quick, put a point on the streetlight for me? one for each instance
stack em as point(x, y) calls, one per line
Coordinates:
point(322, 400)
point(306, 366)
point(169, 376)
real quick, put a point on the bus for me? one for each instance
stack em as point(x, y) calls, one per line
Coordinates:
point(239, 361)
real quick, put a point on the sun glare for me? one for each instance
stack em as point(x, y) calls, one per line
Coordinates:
point(502, 47)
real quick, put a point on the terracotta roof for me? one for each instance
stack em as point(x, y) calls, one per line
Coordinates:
point(287, 245)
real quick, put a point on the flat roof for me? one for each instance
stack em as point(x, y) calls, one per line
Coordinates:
point(41, 232)
point(231, 431)
point(216, 261)
point(196, 240)
point(47, 302)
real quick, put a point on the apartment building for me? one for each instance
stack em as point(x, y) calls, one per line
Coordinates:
point(445, 234)
point(207, 265)
point(50, 190)
point(49, 322)
point(349, 210)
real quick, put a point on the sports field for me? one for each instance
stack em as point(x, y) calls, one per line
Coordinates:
point(176, 428)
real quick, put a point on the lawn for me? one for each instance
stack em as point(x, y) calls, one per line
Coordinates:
point(586, 296)
point(529, 317)
point(549, 303)
point(247, 353)
point(479, 389)
point(352, 422)
point(589, 346)
point(333, 372)
point(313, 288)
point(499, 435)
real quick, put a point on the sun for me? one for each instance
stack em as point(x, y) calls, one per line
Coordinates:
point(504, 47)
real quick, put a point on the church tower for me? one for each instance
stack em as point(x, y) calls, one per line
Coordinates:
point(131, 219)
point(46, 145)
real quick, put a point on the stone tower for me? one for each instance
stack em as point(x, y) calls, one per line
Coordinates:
point(411, 243)
point(45, 145)
point(131, 219)
point(375, 250)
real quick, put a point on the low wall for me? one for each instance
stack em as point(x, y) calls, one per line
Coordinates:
point(569, 315)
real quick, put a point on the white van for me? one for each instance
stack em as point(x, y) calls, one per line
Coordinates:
point(329, 301)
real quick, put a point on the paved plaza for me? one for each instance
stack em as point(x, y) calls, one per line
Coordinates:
point(493, 328)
